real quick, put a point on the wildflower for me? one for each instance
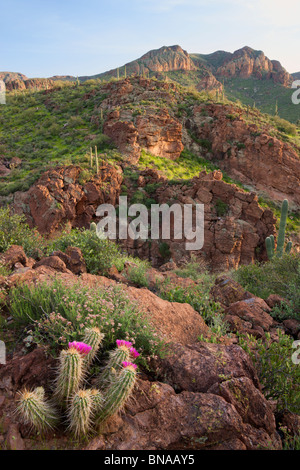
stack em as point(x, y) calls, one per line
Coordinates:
point(122, 343)
point(129, 365)
point(134, 353)
point(83, 348)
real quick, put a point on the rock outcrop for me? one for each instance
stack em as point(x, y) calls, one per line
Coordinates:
point(235, 226)
point(62, 196)
point(156, 131)
point(30, 84)
point(246, 153)
point(9, 76)
point(247, 62)
point(165, 59)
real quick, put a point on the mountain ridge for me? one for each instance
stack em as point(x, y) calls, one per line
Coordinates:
point(246, 75)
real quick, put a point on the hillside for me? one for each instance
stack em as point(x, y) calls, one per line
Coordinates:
point(246, 75)
point(145, 344)
point(139, 124)
point(9, 76)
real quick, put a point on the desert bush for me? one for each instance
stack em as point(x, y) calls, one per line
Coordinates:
point(100, 254)
point(58, 312)
point(279, 276)
point(137, 273)
point(15, 231)
point(279, 376)
point(285, 126)
point(197, 296)
point(196, 269)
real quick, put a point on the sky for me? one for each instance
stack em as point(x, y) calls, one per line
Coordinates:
point(42, 38)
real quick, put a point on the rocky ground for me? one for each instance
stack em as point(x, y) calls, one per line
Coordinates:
point(206, 393)
point(202, 395)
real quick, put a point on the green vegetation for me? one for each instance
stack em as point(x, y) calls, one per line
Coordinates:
point(100, 254)
point(197, 295)
point(279, 376)
point(293, 218)
point(270, 242)
point(58, 313)
point(15, 231)
point(44, 129)
point(185, 168)
point(279, 276)
point(137, 273)
point(221, 208)
point(265, 94)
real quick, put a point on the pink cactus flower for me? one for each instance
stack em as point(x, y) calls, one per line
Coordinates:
point(123, 343)
point(83, 348)
point(129, 365)
point(134, 353)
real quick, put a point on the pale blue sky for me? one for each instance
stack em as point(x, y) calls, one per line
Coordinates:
point(70, 37)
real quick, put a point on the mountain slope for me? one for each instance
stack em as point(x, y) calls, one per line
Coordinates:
point(246, 75)
point(9, 76)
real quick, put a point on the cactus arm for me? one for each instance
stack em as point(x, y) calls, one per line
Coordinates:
point(269, 246)
point(282, 226)
point(80, 413)
point(113, 366)
point(117, 394)
point(93, 337)
point(288, 247)
point(70, 374)
point(36, 411)
point(273, 242)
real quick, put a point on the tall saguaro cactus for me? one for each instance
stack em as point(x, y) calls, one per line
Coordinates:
point(270, 242)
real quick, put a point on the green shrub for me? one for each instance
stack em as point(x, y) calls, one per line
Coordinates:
point(137, 273)
point(58, 313)
point(279, 376)
point(279, 276)
point(164, 250)
point(196, 270)
point(197, 296)
point(221, 208)
point(100, 254)
point(285, 126)
point(15, 231)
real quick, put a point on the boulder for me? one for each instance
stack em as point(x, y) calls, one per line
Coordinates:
point(253, 310)
point(15, 254)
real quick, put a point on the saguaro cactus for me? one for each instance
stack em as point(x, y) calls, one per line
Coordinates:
point(35, 410)
point(97, 160)
point(93, 227)
point(270, 242)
